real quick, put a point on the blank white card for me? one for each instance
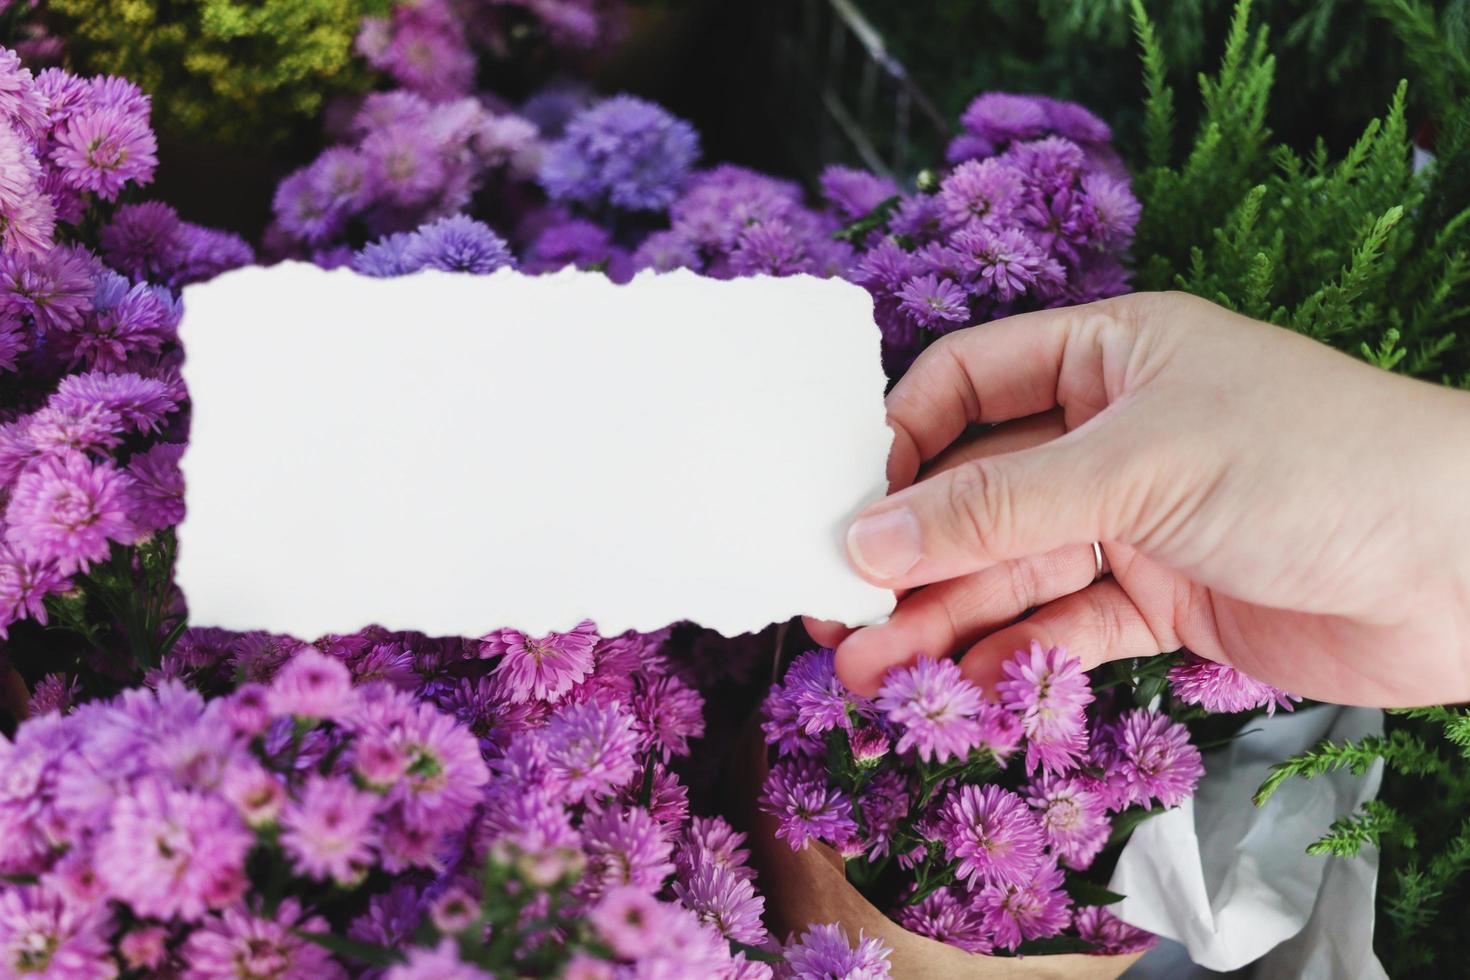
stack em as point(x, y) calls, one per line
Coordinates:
point(453, 454)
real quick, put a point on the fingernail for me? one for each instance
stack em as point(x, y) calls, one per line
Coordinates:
point(886, 544)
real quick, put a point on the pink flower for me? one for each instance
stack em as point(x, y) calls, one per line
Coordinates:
point(312, 685)
point(68, 509)
point(1111, 935)
point(1030, 909)
point(935, 708)
point(1219, 687)
point(440, 963)
point(1050, 692)
point(331, 833)
point(629, 919)
point(1073, 818)
point(103, 148)
point(991, 834)
point(44, 935)
point(243, 943)
point(173, 852)
point(1154, 758)
point(25, 582)
point(27, 216)
point(541, 668)
point(591, 751)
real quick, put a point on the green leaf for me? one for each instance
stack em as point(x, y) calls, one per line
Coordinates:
point(1055, 945)
point(1086, 892)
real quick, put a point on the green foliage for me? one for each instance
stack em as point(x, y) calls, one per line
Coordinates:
point(235, 70)
point(1418, 823)
point(1353, 249)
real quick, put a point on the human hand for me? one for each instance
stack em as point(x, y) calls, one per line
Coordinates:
point(1265, 501)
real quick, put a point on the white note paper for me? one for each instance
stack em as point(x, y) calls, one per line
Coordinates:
point(452, 454)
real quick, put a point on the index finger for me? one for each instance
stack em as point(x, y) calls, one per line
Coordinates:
point(1007, 369)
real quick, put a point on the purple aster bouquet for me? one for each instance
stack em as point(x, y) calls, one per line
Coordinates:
point(980, 823)
point(383, 804)
point(91, 426)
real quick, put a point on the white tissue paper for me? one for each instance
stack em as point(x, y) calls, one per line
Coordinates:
point(1232, 881)
point(453, 454)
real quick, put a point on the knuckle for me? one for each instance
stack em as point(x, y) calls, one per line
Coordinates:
point(979, 502)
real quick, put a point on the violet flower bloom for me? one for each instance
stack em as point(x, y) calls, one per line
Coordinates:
point(1112, 936)
point(456, 244)
point(142, 403)
point(312, 685)
point(1002, 263)
point(67, 509)
point(991, 835)
point(629, 919)
point(241, 939)
point(1049, 691)
point(1222, 688)
point(855, 193)
point(1152, 752)
point(724, 900)
point(934, 707)
point(331, 832)
point(1001, 117)
point(43, 934)
point(384, 257)
point(987, 190)
point(822, 952)
point(21, 100)
point(1073, 818)
point(1031, 909)
point(27, 216)
point(171, 852)
point(934, 303)
point(440, 963)
point(591, 751)
point(541, 668)
point(53, 289)
point(101, 149)
point(158, 487)
point(625, 846)
point(624, 152)
point(948, 917)
point(796, 793)
point(822, 702)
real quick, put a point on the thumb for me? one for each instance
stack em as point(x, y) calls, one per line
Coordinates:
point(995, 509)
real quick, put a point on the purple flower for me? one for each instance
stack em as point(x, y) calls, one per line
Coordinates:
point(934, 302)
point(626, 846)
point(950, 917)
point(456, 244)
point(54, 694)
point(1033, 908)
point(669, 713)
point(869, 746)
point(991, 834)
point(1153, 754)
point(544, 668)
point(664, 251)
point(312, 685)
point(1111, 935)
point(440, 963)
point(1001, 117)
point(306, 210)
point(1114, 208)
point(245, 943)
point(629, 919)
point(405, 167)
point(1001, 263)
point(1049, 691)
point(984, 190)
point(1074, 122)
point(591, 751)
point(796, 793)
point(330, 833)
point(1073, 818)
point(624, 152)
point(423, 47)
point(171, 852)
point(384, 257)
point(126, 321)
point(574, 241)
point(101, 149)
point(823, 952)
point(821, 701)
point(446, 772)
point(27, 216)
point(855, 193)
point(725, 900)
point(20, 99)
point(934, 707)
point(54, 289)
point(1222, 688)
point(712, 841)
point(68, 509)
point(158, 487)
point(44, 935)
point(142, 403)
point(773, 249)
